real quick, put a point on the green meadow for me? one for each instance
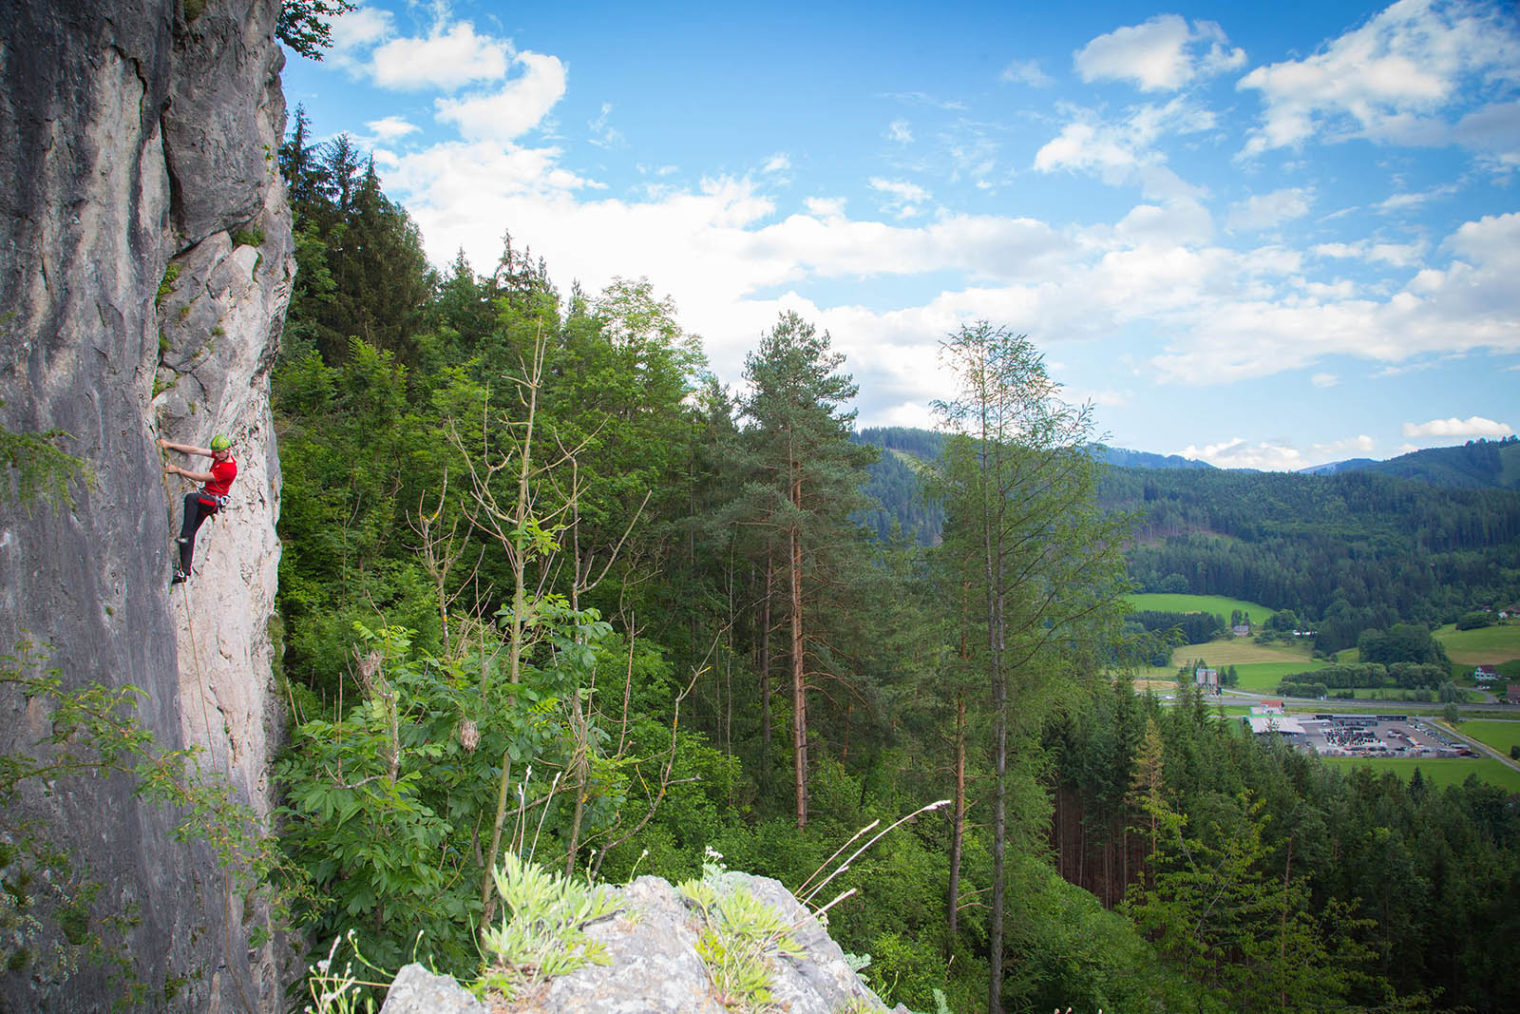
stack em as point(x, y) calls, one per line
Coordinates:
point(1484, 646)
point(1263, 677)
point(1499, 735)
point(1449, 771)
point(1217, 604)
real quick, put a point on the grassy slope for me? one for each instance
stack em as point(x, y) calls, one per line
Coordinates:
point(1484, 646)
point(1451, 771)
point(1260, 666)
point(1216, 604)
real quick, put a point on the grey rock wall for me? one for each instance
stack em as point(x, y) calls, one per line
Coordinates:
point(139, 148)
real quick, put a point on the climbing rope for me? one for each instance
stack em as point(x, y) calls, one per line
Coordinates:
point(226, 767)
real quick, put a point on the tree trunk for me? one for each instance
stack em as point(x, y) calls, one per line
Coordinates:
point(999, 814)
point(957, 819)
point(763, 664)
point(799, 694)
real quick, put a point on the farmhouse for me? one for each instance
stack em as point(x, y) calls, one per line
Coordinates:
point(1512, 693)
point(1485, 674)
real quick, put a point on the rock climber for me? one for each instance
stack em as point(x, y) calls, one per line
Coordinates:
point(200, 504)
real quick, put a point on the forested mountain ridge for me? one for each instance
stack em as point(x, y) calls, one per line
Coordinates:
point(1351, 550)
point(1477, 464)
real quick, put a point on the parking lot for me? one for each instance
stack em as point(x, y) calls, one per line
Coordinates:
point(1332, 735)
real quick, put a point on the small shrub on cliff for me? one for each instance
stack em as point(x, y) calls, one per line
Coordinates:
point(740, 936)
point(544, 934)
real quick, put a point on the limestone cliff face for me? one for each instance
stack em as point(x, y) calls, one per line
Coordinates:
point(144, 275)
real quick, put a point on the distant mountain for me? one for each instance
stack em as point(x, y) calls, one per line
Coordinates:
point(1121, 458)
point(894, 484)
point(894, 481)
point(1337, 467)
point(1477, 464)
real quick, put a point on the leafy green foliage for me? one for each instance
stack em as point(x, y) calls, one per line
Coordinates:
point(386, 797)
point(543, 935)
point(303, 24)
point(36, 470)
point(50, 917)
point(739, 938)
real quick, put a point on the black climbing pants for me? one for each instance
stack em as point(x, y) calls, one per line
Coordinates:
point(196, 511)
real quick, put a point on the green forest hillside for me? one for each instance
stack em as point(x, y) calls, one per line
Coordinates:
point(1346, 552)
point(549, 588)
point(1477, 464)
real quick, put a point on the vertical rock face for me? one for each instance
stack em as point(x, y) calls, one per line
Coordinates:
point(144, 275)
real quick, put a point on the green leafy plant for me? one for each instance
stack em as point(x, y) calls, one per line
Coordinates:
point(248, 237)
point(739, 938)
point(543, 934)
point(166, 284)
point(49, 921)
point(36, 470)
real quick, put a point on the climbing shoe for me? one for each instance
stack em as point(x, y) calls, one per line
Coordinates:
point(180, 577)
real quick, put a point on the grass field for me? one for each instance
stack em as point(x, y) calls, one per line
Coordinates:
point(1499, 735)
point(1391, 696)
point(1484, 646)
point(1263, 677)
point(1216, 604)
point(1452, 771)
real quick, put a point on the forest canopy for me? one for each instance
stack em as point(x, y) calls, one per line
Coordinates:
point(550, 588)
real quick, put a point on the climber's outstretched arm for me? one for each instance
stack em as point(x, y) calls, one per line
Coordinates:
point(184, 448)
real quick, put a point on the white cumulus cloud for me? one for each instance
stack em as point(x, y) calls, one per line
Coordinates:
point(1162, 54)
point(1272, 456)
point(448, 58)
point(515, 108)
point(1357, 446)
point(900, 189)
point(390, 128)
point(1473, 426)
point(1026, 72)
point(358, 31)
point(1405, 76)
point(1265, 211)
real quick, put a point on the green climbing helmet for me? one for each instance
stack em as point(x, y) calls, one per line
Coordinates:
point(220, 442)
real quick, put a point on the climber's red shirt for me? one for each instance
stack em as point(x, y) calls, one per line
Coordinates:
point(222, 474)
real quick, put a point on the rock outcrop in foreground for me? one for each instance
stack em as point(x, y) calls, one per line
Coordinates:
point(655, 967)
point(144, 275)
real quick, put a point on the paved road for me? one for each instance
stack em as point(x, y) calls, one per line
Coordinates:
point(1253, 697)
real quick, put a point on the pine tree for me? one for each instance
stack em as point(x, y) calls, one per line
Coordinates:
point(803, 480)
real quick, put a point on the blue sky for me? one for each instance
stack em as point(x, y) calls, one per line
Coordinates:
point(1266, 236)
